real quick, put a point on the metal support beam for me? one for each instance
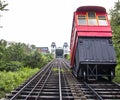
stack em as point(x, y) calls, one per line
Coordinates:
point(92, 72)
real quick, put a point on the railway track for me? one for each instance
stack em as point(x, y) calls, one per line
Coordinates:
point(53, 82)
point(101, 90)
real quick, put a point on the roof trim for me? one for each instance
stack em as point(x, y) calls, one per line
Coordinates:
point(91, 8)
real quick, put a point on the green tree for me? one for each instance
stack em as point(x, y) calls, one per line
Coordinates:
point(13, 56)
point(2, 5)
point(115, 23)
point(3, 45)
point(15, 52)
point(33, 60)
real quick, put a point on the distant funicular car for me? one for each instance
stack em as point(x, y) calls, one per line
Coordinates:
point(59, 52)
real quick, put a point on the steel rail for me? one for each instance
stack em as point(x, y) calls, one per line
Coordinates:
point(44, 84)
point(73, 82)
point(16, 95)
point(116, 84)
point(38, 81)
point(97, 95)
point(60, 91)
point(65, 81)
point(103, 93)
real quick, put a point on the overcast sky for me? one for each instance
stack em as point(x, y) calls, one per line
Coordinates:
point(41, 22)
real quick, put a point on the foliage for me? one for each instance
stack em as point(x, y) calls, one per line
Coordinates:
point(2, 5)
point(37, 59)
point(16, 52)
point(16, 55)
point(117, 72)
point(11, 80)
point(68, 57)
point(3, 44)
point(34, 60)
point(115, 23)
point(10, 66)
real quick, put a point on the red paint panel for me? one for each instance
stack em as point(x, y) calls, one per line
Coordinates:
point(73, 51)
point(94, 28)
point(95, 34)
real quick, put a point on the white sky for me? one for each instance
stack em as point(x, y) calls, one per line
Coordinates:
point(41, 22)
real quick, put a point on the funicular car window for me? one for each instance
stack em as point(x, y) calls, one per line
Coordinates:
point(102, 20)
point(92, 18)
point(81, 19)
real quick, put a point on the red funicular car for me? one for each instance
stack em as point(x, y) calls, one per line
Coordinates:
point(91, 50)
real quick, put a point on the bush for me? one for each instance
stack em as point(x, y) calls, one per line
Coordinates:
point(2, 65)
point(37, 60)
point(10, 66)
point(117, 74)
point(11, 80)
point(33, 60)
